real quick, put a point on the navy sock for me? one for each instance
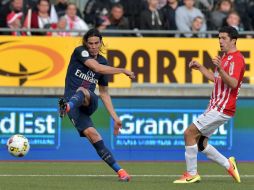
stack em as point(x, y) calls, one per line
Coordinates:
point(106, 155)
point(77, 99)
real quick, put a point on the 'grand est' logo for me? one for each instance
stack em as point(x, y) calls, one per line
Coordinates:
point(25, 62)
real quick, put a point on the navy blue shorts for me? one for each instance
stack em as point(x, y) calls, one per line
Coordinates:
point(80, 117)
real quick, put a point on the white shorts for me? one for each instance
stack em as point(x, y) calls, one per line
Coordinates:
point(209, 121)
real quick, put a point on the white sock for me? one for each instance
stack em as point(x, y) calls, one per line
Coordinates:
point(191, 159)
point(215, 156)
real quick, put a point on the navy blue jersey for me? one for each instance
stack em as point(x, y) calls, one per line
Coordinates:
point(79, 75)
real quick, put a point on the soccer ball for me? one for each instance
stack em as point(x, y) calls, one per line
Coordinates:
point(18, 145)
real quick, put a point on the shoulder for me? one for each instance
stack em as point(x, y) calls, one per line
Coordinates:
point(145, 12)
point(238, 59)
point(102, 60)
point(239, 56)
point(81, 51)
point(181, 8)
point(164, 8)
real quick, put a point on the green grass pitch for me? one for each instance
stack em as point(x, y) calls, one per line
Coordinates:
point(97, 175)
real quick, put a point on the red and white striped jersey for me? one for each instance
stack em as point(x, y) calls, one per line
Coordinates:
point(223, 98)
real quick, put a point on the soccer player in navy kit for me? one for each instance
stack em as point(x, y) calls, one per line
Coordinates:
point(86, 69)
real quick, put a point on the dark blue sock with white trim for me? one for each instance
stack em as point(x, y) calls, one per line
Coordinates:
point(77, 99)
point(106, 155)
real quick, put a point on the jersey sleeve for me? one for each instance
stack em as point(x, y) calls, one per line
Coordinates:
point(103, 80)
point(81, 54)
point(236, 66)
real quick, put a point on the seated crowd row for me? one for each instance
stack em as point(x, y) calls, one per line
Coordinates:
point(170, 15)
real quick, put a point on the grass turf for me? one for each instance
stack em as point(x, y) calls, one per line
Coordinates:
point(96, 175)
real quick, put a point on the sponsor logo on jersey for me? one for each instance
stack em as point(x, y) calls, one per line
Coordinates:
point(225, 64)
point(89, 76)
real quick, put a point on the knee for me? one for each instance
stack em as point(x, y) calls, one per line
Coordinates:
point(85, 91)
point(92, 135)
point(188, 133)
point(191, 133)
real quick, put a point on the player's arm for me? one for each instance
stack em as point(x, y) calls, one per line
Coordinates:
point(230, 81)
point(197, 66)
point(106, 99)
point(107, 70)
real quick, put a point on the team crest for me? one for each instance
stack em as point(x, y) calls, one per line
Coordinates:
point(230, 57)
point(84, 53)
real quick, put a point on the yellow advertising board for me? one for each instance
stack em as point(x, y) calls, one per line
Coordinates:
point(43, 61)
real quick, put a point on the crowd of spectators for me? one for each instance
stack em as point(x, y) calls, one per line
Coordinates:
point(191, 17)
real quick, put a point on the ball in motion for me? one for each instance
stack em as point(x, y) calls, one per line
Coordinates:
point(18, 145)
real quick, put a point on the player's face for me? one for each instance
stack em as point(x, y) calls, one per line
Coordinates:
point(93, 45)
point(226, 44)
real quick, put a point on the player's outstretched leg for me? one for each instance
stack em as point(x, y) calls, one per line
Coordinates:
point(230, 164)
point(107, 156)
point(233, 171)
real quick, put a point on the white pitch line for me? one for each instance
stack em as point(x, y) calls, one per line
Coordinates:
point(90, 175)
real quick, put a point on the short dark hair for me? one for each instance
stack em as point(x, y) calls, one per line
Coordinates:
point(117, 5)
point(90, 33)
point(231, 31)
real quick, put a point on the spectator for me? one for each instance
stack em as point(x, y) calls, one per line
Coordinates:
point(116, 20)
point(40, 19)
point(242, 7)
point(222, 10)
point(251, 14)
point(196, 26)
point(132, 10)
point(185, 15)
point(151, 18)
point(61, 25)
point(168, 14)
point(14, 22)
point(233, 19)
point(15, 6)
point(74, 22)
point(96, 10)
point(61, 6)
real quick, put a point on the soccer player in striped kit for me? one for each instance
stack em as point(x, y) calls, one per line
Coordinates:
point(227, 78)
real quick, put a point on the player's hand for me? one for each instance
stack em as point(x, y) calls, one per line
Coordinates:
point(130, 74)
point(117, 126)
point(217, 62)
point(194, 65)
